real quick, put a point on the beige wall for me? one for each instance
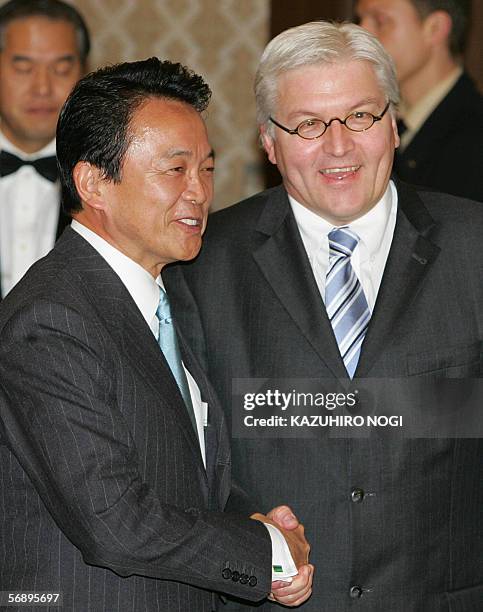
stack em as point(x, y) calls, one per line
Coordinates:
point(220, 39)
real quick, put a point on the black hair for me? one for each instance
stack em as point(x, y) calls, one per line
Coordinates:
point(94, 122)
point(458, 10)
point(52, 9)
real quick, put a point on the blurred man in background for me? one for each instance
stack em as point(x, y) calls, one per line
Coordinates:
point(441, 115)
point(43, 51)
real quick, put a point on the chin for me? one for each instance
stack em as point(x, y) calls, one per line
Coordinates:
point(189, 255)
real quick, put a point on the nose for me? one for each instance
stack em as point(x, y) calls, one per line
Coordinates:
point(42, 81)
point(198, 190)
point(337, 140)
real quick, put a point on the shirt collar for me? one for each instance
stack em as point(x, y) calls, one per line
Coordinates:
point(143, 288)
point(370, 228)
point(6, 145)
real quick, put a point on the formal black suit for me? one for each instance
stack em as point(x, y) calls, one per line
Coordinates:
point(103, 492)
point(399, 521)
point(445, 153)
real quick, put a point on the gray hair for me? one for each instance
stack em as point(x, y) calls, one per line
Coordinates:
point(319, 42)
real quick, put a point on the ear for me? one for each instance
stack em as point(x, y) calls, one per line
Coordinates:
point(268, 144)
point(438, 26)
point(88, 181)
point(397, 140)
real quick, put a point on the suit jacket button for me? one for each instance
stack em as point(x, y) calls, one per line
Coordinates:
point(252, 581)
point(226, 573)
point(235, 576)
point(244, 579)
point(355, 592)
point(357, 495)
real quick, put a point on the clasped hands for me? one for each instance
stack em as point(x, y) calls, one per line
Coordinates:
point(299, 590)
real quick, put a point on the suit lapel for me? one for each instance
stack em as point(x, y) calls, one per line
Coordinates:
point(409, 261)
point(217, 450)
point(114, 305)
point(283, 261)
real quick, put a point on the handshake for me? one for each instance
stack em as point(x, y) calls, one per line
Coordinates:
point(300, 589)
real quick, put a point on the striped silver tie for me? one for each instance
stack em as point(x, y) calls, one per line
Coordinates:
point(345, 301)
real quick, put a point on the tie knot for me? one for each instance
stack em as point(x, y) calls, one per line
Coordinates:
point(163, 311)
point(342, 242)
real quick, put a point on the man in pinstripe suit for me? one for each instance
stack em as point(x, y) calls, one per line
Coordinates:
point(112, 486)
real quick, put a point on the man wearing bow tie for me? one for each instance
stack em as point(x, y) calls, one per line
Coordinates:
point(43, 50)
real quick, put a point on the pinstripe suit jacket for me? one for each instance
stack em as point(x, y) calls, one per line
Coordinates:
point(103, 492)
point(412, 540)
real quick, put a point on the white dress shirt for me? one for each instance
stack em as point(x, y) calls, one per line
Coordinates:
point(375, 230)
point(144, 290)
point(29, 214)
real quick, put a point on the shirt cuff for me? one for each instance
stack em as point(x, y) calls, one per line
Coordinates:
point(283, 566)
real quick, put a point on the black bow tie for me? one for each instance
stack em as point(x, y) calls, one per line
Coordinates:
point(45, 166)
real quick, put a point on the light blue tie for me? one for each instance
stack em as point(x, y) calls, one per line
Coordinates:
point(345, 301)
point(168, 342)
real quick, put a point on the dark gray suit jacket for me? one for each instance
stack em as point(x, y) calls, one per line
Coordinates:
point(103, 492)
point(251, 308)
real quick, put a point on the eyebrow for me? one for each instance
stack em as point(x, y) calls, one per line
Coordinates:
point(28, 58)
point(361, 102)
point(185, 153)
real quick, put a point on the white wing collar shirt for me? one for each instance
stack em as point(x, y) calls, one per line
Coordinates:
point(29, 214)
point(375, 230)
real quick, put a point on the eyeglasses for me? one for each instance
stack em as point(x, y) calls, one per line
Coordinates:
point(310, 129)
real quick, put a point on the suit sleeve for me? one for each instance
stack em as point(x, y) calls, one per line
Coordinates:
point(60, 419)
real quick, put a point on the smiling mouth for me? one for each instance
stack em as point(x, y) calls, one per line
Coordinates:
point(339, 173)
point(189, 221)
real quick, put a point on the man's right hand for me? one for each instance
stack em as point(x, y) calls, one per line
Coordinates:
point(295, 538)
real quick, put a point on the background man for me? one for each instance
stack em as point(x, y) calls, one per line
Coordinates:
point(392, 523)
point(114, 469)
point(441, 107)
point(43, 51)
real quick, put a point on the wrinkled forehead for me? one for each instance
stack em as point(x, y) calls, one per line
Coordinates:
point(345, 78)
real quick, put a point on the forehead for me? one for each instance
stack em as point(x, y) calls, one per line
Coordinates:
point(341, 82)
point(167, 124)
point(387, 6)
point(39, 35)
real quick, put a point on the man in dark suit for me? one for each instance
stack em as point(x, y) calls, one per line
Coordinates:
point(44, 46)
point(394, 524)
point(441, 111)
point(115, 462)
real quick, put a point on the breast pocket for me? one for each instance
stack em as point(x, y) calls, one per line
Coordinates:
point(459, 361)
